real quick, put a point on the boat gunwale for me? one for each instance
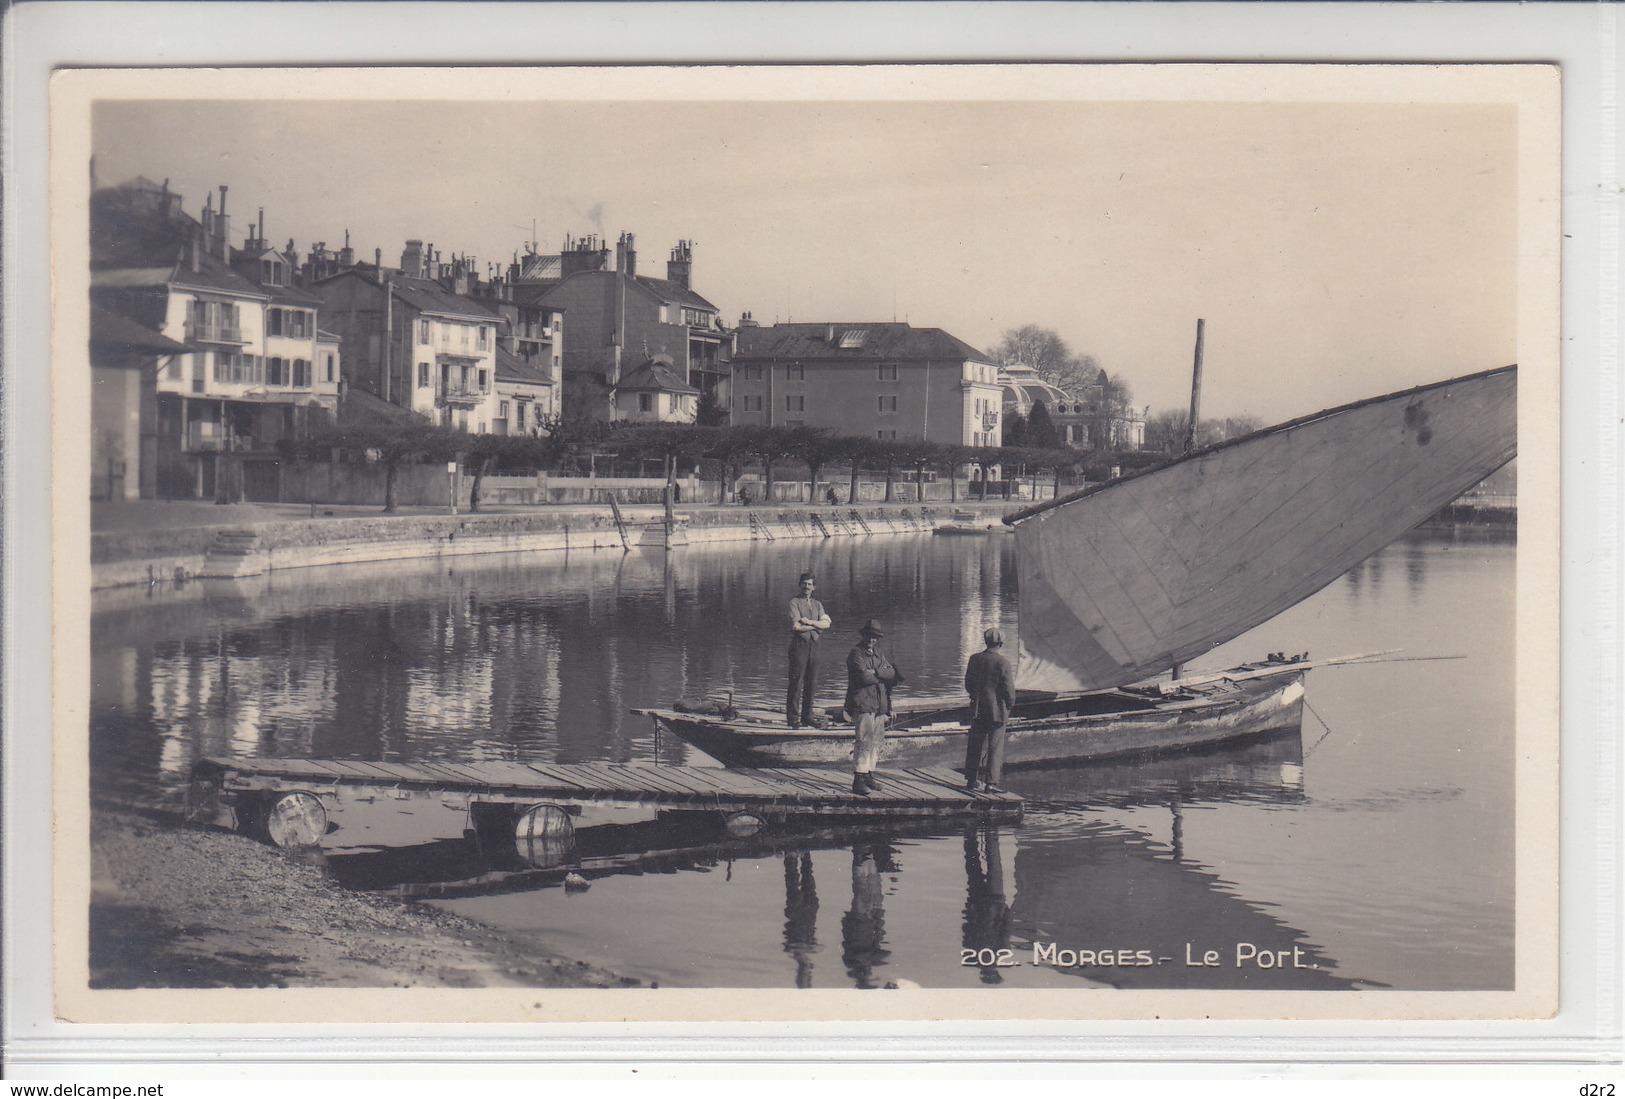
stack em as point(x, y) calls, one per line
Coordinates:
point(1208, 697)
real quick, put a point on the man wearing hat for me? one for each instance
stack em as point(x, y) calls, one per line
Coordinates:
point(870, 677)
point(992, 690)
point(807, 621)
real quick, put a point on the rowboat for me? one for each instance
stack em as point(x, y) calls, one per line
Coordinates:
point(1044, 728)
point(1122, 581)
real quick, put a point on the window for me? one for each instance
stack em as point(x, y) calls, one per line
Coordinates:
point(645, 402)
point(888, 403)
point(795, 402)
point(502, 409)
point(886, 372)
point(485, 337)
point(751, 373)
point(329, 368)
point(884, 433)
point(753, 403)
point(519, 415)
point(423, 331)
point(423, 375)
point(301, 373)
point(795, 372)
point(274, 372)
point(484, 374)
point(273, 322)
point(854, 337)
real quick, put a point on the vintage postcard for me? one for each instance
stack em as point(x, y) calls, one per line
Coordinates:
point(976, 542)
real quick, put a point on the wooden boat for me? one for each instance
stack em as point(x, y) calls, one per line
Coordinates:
point(1045, 728)
point(1122, 581)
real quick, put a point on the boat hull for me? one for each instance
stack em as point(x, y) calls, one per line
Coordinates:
point(1214, 715)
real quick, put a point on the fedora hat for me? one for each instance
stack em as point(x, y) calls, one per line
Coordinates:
point(872, 628)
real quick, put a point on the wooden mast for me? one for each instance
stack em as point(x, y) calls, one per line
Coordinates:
point(1190, 428)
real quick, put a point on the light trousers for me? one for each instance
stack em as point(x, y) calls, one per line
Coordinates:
point(871, 735)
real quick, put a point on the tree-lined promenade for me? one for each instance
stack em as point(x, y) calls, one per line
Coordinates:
point(809, 455)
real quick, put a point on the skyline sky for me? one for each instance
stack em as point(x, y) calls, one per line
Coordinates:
point(1336, 250)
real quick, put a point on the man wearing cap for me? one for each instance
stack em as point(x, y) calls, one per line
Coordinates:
point(992, 691)
point(807, 621)
point(870, 677)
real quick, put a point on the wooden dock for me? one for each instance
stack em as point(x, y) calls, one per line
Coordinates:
point(290, 799)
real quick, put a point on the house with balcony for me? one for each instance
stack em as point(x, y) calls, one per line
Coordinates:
point(250, 378)
point(621, 320)
point(883, 380)
point(414, 342)
point(299, 357)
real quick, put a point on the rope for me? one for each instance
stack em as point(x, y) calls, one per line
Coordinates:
point(1323, 725)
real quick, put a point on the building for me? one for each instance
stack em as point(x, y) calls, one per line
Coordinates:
point(620, 319)
point(415, 341)
point(1087, 422)
point(297, 353)
point(655, 393)
point(222, 408)
point(480, 355)
point(879, 380)
point(125, 361)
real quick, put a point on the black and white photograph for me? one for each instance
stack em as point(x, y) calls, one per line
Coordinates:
point(1009, 541)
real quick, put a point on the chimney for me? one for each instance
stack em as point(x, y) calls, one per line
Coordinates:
point(747, 321)
point(196, 246)
point(584, 254)
point(347, 255)
point(412, 259)
point(681, 265)
point(224, 228)
point(626, 255)
point(378, 264)
point(830, 337)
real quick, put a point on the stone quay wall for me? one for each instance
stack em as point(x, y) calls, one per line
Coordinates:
point(168, 555)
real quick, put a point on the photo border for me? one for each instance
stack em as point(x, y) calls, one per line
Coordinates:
point(21, 559)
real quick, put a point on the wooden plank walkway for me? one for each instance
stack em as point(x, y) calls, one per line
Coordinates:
point(906, 792)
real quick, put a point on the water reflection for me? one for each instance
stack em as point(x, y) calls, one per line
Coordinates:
point(863, 927)
point(800, 915)
point(987, 912)
point(1385, 860)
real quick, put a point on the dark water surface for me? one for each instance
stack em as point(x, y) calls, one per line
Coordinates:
point(1374, 850)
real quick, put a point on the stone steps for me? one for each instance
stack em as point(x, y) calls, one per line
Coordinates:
point(234, 553)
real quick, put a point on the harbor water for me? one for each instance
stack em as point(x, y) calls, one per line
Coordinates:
point(1373, 848)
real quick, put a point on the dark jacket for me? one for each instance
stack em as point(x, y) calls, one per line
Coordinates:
point(991, 687)
point(869, 680)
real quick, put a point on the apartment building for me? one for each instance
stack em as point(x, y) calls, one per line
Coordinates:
point(883, 380)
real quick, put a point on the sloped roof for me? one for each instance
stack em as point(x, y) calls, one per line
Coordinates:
point(428, 296)
point(512, 368)
point(291, 295)
point(357, 406)
point(111, 329)
point(535, 268)
point(531, 293)
point(657, 375)
point(884, 341)
point(675, 293)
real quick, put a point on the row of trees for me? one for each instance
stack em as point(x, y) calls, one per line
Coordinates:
point(579, 446)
